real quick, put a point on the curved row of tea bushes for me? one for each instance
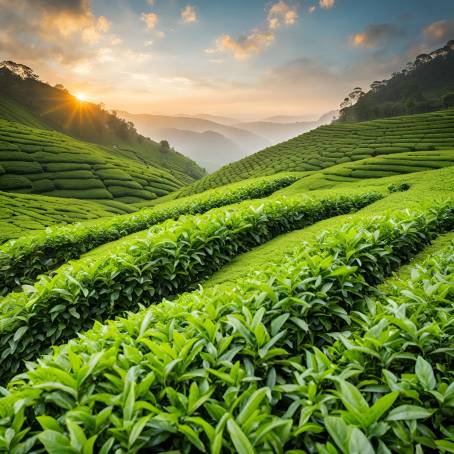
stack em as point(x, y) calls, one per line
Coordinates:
point(226, 369)
point(163, 261)
point(339, 143)
point(23, 259)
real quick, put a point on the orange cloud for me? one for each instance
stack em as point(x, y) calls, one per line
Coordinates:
point(440, 30)
point(189, 14)
point(150, 19)
point(244, 47)
point(281, 13)
point(326, 4)
point(54, 30)
point(375, 35)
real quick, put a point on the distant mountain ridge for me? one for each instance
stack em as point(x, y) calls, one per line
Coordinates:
point(213, 144)
point(277, 131)
point(210, 149)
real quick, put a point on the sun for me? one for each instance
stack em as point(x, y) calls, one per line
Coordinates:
point(82, 97)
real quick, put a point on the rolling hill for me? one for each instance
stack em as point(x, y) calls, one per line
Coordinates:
point(209, 148)
point(26, 99)
point(424, 85)
point(46, 162)
point(339, 143)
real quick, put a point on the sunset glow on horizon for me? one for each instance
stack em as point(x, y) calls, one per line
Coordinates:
point(249, 60)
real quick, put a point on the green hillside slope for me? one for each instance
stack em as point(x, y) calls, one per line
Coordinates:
point(26, 99)
point(45, 162)
point(341, 143)
point(22, 214)
point(425, 85)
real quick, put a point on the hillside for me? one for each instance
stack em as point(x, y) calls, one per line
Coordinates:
point(26, 99)
point(46, 162)
point(424, 85)
point(21, 214)
point(340, 143)
point(260, 297)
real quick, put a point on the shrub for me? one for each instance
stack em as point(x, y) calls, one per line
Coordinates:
point(23, 259)
point(22, 167)
point(14, 182)
point(398, 187)
point(234, 367)
point(85, 184)
point(44, 185)
point(163, 261)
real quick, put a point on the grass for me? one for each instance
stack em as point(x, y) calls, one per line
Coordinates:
point(44, 162)
point(327, 146)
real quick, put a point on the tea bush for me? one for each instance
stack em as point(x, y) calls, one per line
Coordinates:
point(240, 368)
point(398, 187)
point(23, 259)
point(161, 262)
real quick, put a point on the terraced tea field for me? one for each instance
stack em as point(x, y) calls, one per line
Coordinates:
point(232, 367)
point(299, 312)
point(24, 213)
point(46, 162)
point(23, 259)
point(341, 143)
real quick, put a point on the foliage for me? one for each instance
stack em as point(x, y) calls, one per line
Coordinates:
point(23, 259)
point(398, 187)
point(163, 261)
point(424, 85)
point(255, 367)
point(22, 214)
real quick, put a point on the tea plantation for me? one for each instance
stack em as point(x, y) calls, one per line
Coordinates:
point(24, 213)
point(45, 162)
point(307, 311)
point(341, 143)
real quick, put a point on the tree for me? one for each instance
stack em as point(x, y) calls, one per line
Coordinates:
point(23, 71)
point(448, 100)
point(422, 59)
point(164, 146)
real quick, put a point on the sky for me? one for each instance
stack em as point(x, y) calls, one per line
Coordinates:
point(248, 59)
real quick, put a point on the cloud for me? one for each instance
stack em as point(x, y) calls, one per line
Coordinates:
point(150, 19)
point(189, 14)
point(245, 46)
point(311, 9)
point(53, 31)
point(440, 31)
point(281, 13)
point(326, 4)
point(258, 39)
point(375, 35)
